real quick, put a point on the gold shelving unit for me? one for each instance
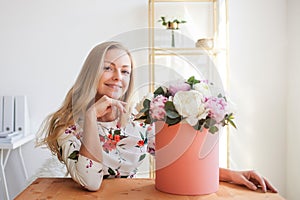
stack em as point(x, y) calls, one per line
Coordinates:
point(217, 17)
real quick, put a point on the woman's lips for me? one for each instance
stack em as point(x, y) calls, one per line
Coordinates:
point(114, 86)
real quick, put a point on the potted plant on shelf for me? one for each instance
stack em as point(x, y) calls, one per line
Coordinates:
point(171, 25)
point(187, 119)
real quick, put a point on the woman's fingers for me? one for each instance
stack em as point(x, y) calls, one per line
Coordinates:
point(120, 105)
point(263, 182)
point(270, 186)
point(254, 176)
point(252, 180)
point(106, 105)
point(248, 183)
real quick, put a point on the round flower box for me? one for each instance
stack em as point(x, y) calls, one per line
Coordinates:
point(180, 169)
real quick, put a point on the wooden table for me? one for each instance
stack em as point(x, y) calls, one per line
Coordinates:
point(133, 189)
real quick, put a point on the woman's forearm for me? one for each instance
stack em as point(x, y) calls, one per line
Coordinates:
point(91, 146)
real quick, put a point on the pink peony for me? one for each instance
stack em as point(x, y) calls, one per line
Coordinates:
point(177, 86)
point(157, 107)
point(217, 108)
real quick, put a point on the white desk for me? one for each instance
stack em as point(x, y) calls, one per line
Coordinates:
point(3, 160)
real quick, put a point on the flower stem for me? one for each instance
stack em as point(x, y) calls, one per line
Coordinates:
point(173, 39)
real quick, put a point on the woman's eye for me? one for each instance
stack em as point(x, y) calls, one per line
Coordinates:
point(126, 72)
point(107, 68)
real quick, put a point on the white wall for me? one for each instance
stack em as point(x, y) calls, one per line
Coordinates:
point(258, 82)
point(293, 106)
point(43, 44)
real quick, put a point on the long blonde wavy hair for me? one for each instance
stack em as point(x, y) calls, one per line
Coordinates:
point(80, 96)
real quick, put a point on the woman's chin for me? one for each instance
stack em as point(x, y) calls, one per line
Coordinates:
point(111, 94)
point(114, 95)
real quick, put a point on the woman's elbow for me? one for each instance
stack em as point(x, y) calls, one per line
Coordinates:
point(92, 188)
point(93, 185)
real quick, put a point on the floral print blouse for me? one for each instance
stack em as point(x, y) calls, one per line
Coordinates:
point(124, 149)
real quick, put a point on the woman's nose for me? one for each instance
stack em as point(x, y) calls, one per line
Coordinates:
point(117, 75)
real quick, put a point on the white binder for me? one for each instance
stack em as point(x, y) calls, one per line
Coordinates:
point(21, 115)
point(8, 114)
point(1, 113)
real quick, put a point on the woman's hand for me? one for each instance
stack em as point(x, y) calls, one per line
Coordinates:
point(106, 105)
point(250, 179)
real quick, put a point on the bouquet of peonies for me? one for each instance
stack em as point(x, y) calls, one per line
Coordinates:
point(188, 101)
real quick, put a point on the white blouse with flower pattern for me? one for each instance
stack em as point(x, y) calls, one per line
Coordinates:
point(124, 149)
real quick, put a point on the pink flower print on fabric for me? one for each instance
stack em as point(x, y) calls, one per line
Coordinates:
point(90, 164)
point(217, 108)
point(102, 138)
point(109, 145)
point(70, 129)
point(78, 135)
point(157, 105)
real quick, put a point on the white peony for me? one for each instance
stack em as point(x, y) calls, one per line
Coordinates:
point(203, 88)
point(190, 105)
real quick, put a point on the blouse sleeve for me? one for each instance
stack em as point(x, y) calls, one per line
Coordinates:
point(83, 170)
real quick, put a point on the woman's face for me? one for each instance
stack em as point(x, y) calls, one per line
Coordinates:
point(116, 74)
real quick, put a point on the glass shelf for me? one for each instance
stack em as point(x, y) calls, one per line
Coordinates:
point(157, 51)
point(205, 19)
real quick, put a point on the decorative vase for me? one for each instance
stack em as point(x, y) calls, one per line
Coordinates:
point(205, 43)
point(172, 26)
point(180, 169)
point(173, 39)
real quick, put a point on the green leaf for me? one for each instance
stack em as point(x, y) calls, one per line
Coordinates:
point(210, 122)
point(199, 125)
point(170, 106)
point(174, 121)
point(229, 119)
point(171, 110)
point(111, 171)
point(142, 157)
point(117, 132)
point(172, 114)
point(142, 136)
point(232, 123)
point(213, 129)
point(144, 110)
point(146, 103)
point(74, 155)
point(192, 81)
point(148, 119)
point(230, 116)
point(159, 91)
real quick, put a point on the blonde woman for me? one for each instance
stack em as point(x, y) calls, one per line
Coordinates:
point(94, 134)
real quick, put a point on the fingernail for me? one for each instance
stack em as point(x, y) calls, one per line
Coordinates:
point(254, 187)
